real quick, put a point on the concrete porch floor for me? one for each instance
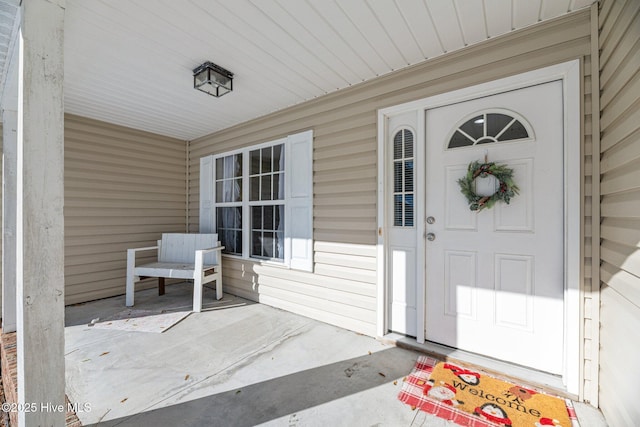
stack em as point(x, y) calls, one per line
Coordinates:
point(237, 363)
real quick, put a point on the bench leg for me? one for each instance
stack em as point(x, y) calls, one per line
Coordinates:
point(131, 287)
point(219, 287)
point(197, 293)
point(160, 286)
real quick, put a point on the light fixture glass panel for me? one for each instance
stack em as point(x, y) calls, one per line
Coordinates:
point(212, 79)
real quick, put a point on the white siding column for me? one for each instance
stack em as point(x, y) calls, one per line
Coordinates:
point(9, 207)
point(40, 277)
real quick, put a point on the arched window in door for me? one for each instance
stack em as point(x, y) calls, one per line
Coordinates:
point(403, 178)
point(488, 127)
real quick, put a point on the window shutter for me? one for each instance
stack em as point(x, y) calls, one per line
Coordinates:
point(299, 201)
point(206, 195)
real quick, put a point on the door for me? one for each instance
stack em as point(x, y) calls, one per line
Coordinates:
point(495, 277)
point(402, 258)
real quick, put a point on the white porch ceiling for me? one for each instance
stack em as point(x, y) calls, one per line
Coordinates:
point(130, 62)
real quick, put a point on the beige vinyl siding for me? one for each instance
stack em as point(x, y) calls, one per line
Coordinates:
point(620, 230)
point(1, 209)
point(342, 288)
point(123, 188)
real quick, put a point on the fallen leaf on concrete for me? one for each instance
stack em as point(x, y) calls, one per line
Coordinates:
point(186, 377)
point(86, 360)
point(124, 400)
point(382, 375)
point(238, 392)
point(106, 352)
point(369, 353)
point(413, 408)
point(395, 382)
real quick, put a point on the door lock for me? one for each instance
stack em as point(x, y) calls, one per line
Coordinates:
point(431, 237)
point(431, 220)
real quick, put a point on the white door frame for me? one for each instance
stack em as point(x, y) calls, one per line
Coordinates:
point(569, 73)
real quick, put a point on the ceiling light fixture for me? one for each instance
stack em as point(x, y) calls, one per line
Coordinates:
point(212, 79)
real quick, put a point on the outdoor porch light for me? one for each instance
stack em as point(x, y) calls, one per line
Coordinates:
point(212, 79)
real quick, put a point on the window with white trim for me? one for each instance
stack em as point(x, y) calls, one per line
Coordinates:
point(260, 199)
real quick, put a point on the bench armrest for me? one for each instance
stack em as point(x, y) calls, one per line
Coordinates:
point(148, 248)
point(131, 256)
point(200, 256)
point(208, 250)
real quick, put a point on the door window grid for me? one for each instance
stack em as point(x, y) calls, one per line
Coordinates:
point(403, 179)
point(487, 128)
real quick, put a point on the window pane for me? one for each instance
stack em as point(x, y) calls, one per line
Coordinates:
point(408, 210)
point(408, 175)
point(515, 131)
point(474, 127)
point(255, 188)
point(278, 186)
point(256, 243)
point(254, 164)
point(220, 168)
point(397, 210)
point(267, 245)
point(278, 158)
point(238, 243)
point(397, 177)
point(219, 192)
point(265, 191)
point(397, 146)
point(279, 249)
point(496, 122)
point(268, 218)
point(408, 144)
point(229, 190)
point(278, 218)
point(229, 166)
point(256, 217)
point(459, 140)
point(266, 160)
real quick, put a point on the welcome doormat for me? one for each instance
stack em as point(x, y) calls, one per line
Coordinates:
point(132, 320)
point(472, 399)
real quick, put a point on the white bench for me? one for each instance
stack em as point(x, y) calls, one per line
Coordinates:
point(180, 256)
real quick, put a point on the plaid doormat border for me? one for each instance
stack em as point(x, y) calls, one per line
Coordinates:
point(412, 394)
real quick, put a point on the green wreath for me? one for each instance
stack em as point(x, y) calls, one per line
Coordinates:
point(507, 190)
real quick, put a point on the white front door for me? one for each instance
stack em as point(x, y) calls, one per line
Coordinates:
point(495, 278)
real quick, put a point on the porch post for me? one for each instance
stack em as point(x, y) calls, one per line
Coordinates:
point(9, 206)
point(40, 255)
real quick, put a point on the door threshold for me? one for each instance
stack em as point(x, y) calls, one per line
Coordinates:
point(521, 375)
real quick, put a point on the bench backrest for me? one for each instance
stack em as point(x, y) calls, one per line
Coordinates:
point(181, 247)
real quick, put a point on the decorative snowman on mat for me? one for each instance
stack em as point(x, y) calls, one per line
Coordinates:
point(443, 392)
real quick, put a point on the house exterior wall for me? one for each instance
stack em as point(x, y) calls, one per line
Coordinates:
point(123, 188)
point(342, 288)
point(619, 24)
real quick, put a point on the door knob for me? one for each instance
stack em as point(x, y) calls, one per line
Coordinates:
point(431, 237)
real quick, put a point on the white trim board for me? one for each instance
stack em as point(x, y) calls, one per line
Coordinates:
point(569, 74)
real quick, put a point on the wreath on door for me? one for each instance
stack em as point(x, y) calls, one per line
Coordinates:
point(506, 190)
